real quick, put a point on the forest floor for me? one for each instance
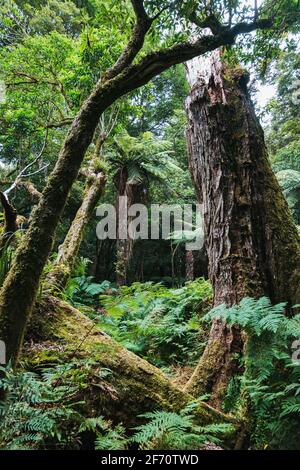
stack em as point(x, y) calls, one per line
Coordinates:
point(106, 368)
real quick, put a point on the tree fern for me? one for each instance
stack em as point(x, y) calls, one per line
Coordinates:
point(289, 180)
point(144, 158)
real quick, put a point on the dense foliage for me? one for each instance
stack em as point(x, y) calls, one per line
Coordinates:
point(271, 371)
point(150, 301)
point(160, 324)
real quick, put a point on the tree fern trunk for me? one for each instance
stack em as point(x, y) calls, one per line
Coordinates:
point(135, 195)
point(189, 265)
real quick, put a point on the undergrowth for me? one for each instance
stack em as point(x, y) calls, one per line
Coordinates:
point(157, 323)
point(271, 377)
point(171, 431)
point(42, 411)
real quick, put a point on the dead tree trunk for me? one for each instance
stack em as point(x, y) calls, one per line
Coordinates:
point(251, 241)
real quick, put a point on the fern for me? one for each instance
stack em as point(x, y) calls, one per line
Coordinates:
point(40, 411)
point(112, 439)
point(157, 323)
point(33, 413)
point(289, 180)
point(169, 430)
point(83, 291)
point(144, 157)
point(106, 437)
point(271, 377)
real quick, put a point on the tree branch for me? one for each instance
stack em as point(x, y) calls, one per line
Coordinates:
point(142, 25)
point(31, 189)
point(56, 125)
point(166, 7)
point(153, 64)
point(211, 22)
point(255, 9)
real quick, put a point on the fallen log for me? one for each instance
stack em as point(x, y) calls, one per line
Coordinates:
point(59, 333)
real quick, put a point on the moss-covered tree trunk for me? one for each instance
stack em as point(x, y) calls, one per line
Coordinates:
point(58, 334)
point(68, 250)
point(21, 284)
point(251, 240)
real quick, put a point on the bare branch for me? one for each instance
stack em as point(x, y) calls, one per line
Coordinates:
point(63, 123)
point(255, 10)
point(22, 173)
point(211, 22)
point(30, 80)
point(36, 172)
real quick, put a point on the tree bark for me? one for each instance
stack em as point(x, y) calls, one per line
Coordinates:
point(189, 265)
point(22, 281)
point(123, 245)
point(105, 259)
point(135, 195)
point(10, 224)
point(251, 240)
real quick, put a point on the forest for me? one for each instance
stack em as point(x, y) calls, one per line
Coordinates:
point(149, 225)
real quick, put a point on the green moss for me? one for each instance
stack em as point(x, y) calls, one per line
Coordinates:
point(131, 386)
point(42, 358)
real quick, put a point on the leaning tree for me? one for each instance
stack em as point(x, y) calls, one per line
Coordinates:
point(128, 73)
point(95, 183)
